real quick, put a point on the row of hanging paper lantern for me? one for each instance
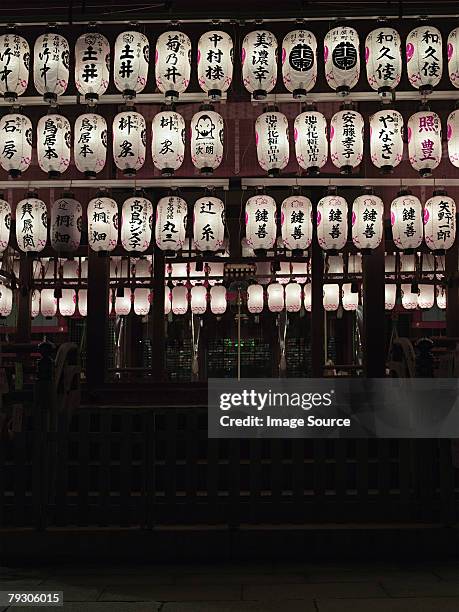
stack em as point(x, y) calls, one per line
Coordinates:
point(383, 58)
point(129, 142)
point(179, 300)
point(424, 297)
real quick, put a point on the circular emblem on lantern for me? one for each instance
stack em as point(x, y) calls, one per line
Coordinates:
point(344, 56)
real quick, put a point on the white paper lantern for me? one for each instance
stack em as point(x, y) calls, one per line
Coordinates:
point(218, 300)
point(129, 141)
point(5, 224)
point(6, 301)
point(349, 299)
point(83, 302)
point(428, 265)
point(260, 222)
point(342, 59)
point(307, 297)
point(424, 142)
point(51, 65)
point(440, 222)
point(168, 141)
point(136, 224)
point(367, 221)
point(390, 262)
point(102, 224)
point(207, 132)
point(331, 297)
point(335, 265)
point(426, 297)
point(453, 57)
point(31, 225)
point(354, 263)
point(332, 222)
point(406, 221)
point(346, 140)
point(15, 143)
point(296, 222)
point(208, 224)
point(275, 297)
point(409, 299)
point(299, 62)
point(173, 63)
point(293, 297)
point(216, 269)
point(259, 63)
point(198, 299)
point(311, 141)
point(142, 299)
point(48, 303)
point(123, 303)
point(35, 304)
point(383, 59)
point(299, 271)
point(92, 66)
point(424, 57)
point(215, 63)
point(70, 270)
point(386, 139)
point(453, 138)
point(90, 144)
point(272, 140)
point(171, 217)
point(130, 66)
point(441, 298)
point(390, 295)
point(167, 300)
point(255, 299)
point(67, 303)
point(66, 224)
point(53, 144)
point(14, 66)
point(180, 271)
point(407, 264)
point(179, 300)
point(283, 273)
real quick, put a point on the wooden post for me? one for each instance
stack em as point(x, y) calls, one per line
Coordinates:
point(318, 313)
point(159, 342)
point(452, 291)
point(24, 321)
point(96, 323)
point(374, 340)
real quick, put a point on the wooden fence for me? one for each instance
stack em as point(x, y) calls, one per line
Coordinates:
point(155, 466)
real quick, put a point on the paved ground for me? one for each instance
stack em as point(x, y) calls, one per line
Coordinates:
point(338, 587)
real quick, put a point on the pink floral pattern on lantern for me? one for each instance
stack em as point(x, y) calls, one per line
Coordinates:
point(392, 218)
point(319, 218)
point(367, 55)
point(450, 51)
point(409, 51)
point(425, 216)
point(325, 53)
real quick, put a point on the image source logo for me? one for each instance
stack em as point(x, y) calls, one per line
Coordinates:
point(260, 400)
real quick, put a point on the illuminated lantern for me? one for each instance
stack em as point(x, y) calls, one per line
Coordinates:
point(259, 63)
point(386, 139)
point(35, 304)
point(216, 270)
point(102, 224)
point(439, 222)
point(354, 263)
point(143, 268)
point(367, 221)
point(453, 57)
point(5, 224)
point(215, 63)
point(335, 265)
point(53, 144)
point(207, 131)
point(293, 297)
point(255, 299)
point(390, 295)
point(67, 303)
point(171, 216)
point(129, 141)
point(428, 264)
point(180, 271)
point(168, 141)
point(424, 57)
point(6, 301)
point(142, 297)
point(198, 299)
point(260, 222)
point(296, 223)
point(51, 66)
point(424, 142)
point(441, 298)
point(307, 297)
point(66, 223)
point(173, 63)
point(453, 137)
point(92, 66)
point(409, 299)
point(331, 297)
point(218, 299)
point(263, 272)
point(299, 271)
point(271, 136)
point(311, 141)
point(208, 224)
point(179, 300)
point(283, 274)
point(48, 303)
point(332, 222)
point(426, 297)
point(383, 60)
point(14, 66)
point(136, 224)
point(70, 270)
point(346, 140)
point(197, 277)
point(167, 300)
point(90, 144)
point(342, 59)
point(31, 225)
point(275, 297)
point(123, 303)
point(349, 299)
point(130, 65)
point(406, 221)
point(390, 262)
point(299, 62)
point(16, 140)
point(407, 264)
point(83, 302)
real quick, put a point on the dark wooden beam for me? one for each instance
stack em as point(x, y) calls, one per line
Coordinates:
point(24, 293)
point(96, 321)
point(374, 339)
